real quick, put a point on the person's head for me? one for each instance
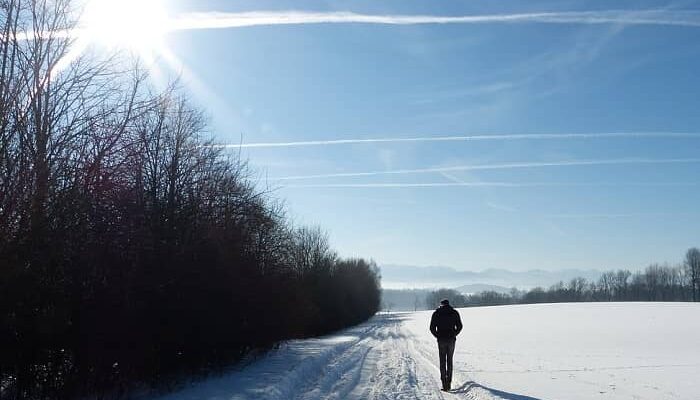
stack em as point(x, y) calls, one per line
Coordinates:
point(444, 302)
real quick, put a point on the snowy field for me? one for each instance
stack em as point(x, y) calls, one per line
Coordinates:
point(553, 352)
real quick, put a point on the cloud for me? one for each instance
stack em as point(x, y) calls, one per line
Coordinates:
point(500, 207)
point(224, 20)
point(526, 136)
point(620, 161)
point(478, 92)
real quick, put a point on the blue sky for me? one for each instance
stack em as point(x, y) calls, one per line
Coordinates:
point(319, 82)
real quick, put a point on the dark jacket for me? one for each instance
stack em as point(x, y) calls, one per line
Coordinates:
point(445, 323)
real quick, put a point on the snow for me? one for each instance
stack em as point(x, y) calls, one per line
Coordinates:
point(531, 352)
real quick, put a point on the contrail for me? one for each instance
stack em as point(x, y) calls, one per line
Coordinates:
point(621, 215)
point(227, 20)
point(416, 185)
point(532, 136)
point(622, 161)
point(224, 20)
point(489, 184)
point(44, 35)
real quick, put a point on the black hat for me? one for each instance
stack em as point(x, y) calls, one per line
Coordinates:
point(445, 302)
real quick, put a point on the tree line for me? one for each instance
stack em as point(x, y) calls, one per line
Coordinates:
point(133, 251)
point(655, 283)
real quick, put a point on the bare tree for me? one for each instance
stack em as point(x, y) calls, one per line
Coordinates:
point(621, 284)
point(652, 281)
point(692, 266)
point(311, 251)
point(120, 223)
point(606, 285)
point(576, 288)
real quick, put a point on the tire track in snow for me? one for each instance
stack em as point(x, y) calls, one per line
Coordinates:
point(375, 367)
point(325, 377)
point(463, 386)
point(386, 362)
point(390, 362)
point(395, 375)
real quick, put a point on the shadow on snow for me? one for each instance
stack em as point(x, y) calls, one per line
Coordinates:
point(468, 386)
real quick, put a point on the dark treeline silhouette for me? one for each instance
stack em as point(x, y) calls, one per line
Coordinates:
point(655, 283)
point(132, 251)
point(456, 298)
point(404, 299)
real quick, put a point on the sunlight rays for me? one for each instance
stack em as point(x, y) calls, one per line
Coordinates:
point(136, 25)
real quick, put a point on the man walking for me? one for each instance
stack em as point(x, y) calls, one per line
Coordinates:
point(445, 325)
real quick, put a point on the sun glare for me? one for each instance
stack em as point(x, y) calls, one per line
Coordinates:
point(138, 25)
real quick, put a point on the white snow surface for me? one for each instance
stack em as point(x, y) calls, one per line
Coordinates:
point(526, 352)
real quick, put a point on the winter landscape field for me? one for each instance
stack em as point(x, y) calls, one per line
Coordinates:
point(242, 200)
point(548, 351)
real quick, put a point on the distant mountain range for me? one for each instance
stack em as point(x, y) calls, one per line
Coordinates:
point(480, 287)
point(408, 276)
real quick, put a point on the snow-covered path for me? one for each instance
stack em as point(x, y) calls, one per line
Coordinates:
point(563, 351)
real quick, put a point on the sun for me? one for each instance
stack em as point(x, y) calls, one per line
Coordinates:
point(136, 25)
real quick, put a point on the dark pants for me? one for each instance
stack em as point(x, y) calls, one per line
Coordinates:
point(447, 350)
